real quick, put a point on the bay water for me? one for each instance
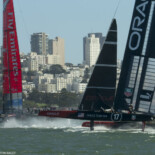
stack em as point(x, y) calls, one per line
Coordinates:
point(45, 136)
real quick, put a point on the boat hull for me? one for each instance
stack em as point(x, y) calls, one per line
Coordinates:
point(98, 116)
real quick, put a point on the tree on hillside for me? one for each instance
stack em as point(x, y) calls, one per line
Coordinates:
point(29, 73)
point(55, 69)
point(62, 99)
point(68, 99)
point(86, 75)
point(69, 64)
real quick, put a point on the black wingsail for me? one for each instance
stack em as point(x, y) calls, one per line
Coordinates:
point(144, 101)
point(137, 79)
point(100, 91)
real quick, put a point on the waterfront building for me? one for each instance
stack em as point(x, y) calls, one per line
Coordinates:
point(41, 59)
point(28, 86)
point(61, 83)
point(78, 86)
point(33, 64)
point(53, 59)
point(46, 78)
point(47, 87)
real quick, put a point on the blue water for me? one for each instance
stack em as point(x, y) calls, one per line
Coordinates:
point(67, 137)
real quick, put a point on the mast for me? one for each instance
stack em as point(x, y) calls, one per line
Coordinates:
point(136, 57)
point(12, 79)
point(100, 91)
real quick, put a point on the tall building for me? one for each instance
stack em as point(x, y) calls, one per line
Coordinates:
point(41, 59)
point(57, 49)
point(39, 43)
point(33, 64)
point(98, 35)
point(91, 47)
point(53, 59)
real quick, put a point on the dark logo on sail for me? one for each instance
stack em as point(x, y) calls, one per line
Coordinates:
point(106, 98)
point(103, 98)
point(137, 25)
point(146, 95)
point(128, 92)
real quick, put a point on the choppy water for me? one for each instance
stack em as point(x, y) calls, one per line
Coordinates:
point(67, 137)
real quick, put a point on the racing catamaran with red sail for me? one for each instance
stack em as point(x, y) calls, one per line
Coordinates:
point(12, 77)
point(137, 80)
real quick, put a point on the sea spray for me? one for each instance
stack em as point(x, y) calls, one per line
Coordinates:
point(41, 122)
point(68, 125)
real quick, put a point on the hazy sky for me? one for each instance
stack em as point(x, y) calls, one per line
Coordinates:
point(71, 20)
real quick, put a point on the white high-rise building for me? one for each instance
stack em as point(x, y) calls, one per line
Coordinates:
point(92, 49)
point(33, 64)
point(53, 59)
point(41, 59)
point(61, 83)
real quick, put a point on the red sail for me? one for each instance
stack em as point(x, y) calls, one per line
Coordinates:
point(12, 80)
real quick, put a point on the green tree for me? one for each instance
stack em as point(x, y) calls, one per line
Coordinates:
point(62, 99)
point(68, 99)
point(86, 75)
point(55, 69)
point(69, 64)
point(29, 73)
point(35, 96)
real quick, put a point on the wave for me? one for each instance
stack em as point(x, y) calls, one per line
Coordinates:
point(69, 125)
point(40, 122)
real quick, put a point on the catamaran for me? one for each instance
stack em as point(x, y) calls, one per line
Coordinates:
point(12, 77)
point(137, 79)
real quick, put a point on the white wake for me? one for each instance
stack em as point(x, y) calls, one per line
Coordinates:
point(41, 122)
point(69, 125)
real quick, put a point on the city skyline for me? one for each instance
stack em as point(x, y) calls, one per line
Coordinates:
point(71, 21)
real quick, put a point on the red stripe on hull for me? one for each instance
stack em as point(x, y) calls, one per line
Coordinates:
point(62, 114)
point(102, 123)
